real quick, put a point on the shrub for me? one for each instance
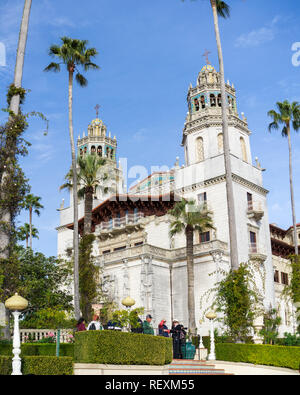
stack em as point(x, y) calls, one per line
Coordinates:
point(39, 365)
point(121, 348)
point(259, 354)
point(40, 349)
point(45, 365)
point(5, 365)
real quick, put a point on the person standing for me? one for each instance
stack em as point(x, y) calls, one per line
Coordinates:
point(163, 329)
point(139, 327)
point(95, 324)
point(178, 335)
point(147, 326)
point(80, 326)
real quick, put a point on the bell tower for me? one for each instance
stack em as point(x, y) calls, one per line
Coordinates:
point(202, 134)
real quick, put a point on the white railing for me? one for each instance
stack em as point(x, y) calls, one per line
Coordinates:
point(117, 223)
point(38, 334)
point(255, 206)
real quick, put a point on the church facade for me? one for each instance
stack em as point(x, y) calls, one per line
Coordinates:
point(133, 245)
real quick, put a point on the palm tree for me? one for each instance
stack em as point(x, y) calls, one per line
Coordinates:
point(288, 115)
point(25, 231)
point(190, 218)
point(33, 205)
point(14, 107)
point(73, 54)
point(220, 8)
point(6, 217)
point(89, 180)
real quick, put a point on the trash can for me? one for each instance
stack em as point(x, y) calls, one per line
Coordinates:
point(188, 350)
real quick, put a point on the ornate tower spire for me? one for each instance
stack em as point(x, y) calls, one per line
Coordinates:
point(97, 108)
point(206, 53)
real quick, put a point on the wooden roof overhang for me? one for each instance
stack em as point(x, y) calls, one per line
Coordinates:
point(282, 249)
point(119, 204)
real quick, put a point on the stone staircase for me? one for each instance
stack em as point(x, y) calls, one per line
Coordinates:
point(192, 367)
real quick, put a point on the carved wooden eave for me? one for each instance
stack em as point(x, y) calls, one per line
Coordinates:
point(282, 249)
point(116, 205)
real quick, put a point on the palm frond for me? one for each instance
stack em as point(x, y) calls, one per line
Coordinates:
point(53, 67)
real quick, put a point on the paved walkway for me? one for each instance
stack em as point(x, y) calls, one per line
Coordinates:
point(239, 368)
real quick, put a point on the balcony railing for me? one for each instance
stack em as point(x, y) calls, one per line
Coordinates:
point(118, 223)
point(256, 253)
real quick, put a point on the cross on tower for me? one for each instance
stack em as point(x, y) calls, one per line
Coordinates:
point(206, 53)
point(97, 110)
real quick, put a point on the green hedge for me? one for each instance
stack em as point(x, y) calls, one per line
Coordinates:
point(260, 354)
point(39, 365)
point(5, 365)
point(121, 348)
point(39, 349)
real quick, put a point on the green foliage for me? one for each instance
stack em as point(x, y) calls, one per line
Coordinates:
point(45, 365)
point(292, 291)
point(259, 354)
point(270, 328)
point(128, 318)
point(39, 349)
point(48, 318)
point(88, 276)
point(121, 348)
point(237, 302)
point(5, 365)
point(14, 91)
point(289, 340)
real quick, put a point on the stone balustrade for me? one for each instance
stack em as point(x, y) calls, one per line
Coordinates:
point(161, 253)
point(39, 334)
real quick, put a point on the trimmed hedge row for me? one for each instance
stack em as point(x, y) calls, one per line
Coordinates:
point(39, 365)
point(121, 348)
point(259, 354)
point(39, 349)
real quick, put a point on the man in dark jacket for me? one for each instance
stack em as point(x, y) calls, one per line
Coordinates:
point(139, 327)
point(178, 335)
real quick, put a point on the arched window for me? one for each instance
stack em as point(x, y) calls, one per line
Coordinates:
point(202, 100)
point(107, 152)
point(199, 149)
point(212, 100)
point(99, 150)
point(219, 100)
point(81, 152)
point(112, 154)
point(93, 150)
point(243, 149)
point(197, 106)
point(220, 143)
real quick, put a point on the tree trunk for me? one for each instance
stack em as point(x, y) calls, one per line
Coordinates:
point(88, 208)
point(292, 190)
point(227, 160)
point(75, 200)
point(14, 106)
point(190, 277)
point(30, 226)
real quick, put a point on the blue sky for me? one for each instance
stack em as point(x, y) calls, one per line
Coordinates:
point(149, 52)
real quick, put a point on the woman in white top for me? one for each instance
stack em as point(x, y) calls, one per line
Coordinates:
point(95, 324)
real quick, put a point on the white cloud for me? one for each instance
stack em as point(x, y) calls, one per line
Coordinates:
point(259, 36)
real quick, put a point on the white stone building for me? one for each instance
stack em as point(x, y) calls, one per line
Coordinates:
point(133, 244)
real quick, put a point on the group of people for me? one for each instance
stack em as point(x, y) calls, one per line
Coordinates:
point(177, 331)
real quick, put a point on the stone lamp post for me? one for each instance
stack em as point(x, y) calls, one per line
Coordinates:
point(128, 302)
point(202, 351)
point(211, 315)
point(16, 304)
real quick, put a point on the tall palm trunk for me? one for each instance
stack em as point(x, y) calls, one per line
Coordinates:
point(227, 160)
point(292, 190)
point(88, 208)
point(14, 106)
point(75, 199)
point(30, 226)
point(190, 277)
